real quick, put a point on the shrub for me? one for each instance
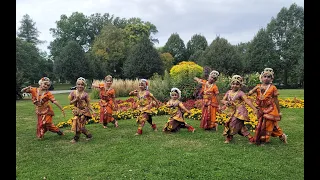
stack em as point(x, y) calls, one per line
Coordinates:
point(182, 76)
point(250, 81)
point(223, 83)
point(160, 86)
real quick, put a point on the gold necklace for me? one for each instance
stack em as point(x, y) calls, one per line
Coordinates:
point(78, 94)
point(265, 91)
point(173, 102)
point(208, 86)
point(141, 94)
point(232, 95)
point(39, 96)
point(105, 88)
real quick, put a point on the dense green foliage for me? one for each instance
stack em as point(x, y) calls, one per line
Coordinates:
point(143, 61)
point(107, 42)
point(72, 63)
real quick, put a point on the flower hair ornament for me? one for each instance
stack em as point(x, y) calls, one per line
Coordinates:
point(44, 79)
point(83, 80)
point(175, 90)
point(237, 78)
point(145, 83)
point(214, 74)
point(267, 71)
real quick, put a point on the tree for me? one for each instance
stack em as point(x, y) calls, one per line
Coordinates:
point(73, 28)
point(262, 52)
point(19, 84)
point(136, 29)
point(78, 27)
point(167, 60)
point(46, 65)
point(71, 62)
point(175, 46)
point(143, 61)
point(96, 22)
point(196, 56)
point(28, 31)
point(221, 56)
point(287, 32)
point(196, 43)
point(111, 47)
point(28, 61)
point(242, 50)
point(98, 67)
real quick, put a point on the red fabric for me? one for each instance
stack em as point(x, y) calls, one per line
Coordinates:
point(205, 118)
point(258, 129)
point(154, 126)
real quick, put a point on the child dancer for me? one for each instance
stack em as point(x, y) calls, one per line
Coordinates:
point(144, 100)
point(40, 98)
point(210, 101)
point(81, 110)
point(107, 101)
point(269, 109)
point(234, 106)
point(176, 120)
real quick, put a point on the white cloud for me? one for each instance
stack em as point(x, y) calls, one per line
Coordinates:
point(236, 20)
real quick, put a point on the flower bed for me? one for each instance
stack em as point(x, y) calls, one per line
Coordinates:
point(127, 111)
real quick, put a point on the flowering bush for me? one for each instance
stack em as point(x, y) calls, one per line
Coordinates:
point(126, 111)
point(182, 76)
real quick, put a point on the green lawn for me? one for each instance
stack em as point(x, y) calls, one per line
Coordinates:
point(115, 153)
point(291, 93)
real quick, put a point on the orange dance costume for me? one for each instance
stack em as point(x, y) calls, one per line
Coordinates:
point(269, 109)
point(234, 106)
point(41, 98)
point(210, 103)
point(107, 102)
point(144, 101)
point(176, 119)
point(81, 110)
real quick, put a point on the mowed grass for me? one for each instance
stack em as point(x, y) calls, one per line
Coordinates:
point(291, 93)
point(115, 153)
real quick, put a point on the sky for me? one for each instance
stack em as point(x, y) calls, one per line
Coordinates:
point(235, 20)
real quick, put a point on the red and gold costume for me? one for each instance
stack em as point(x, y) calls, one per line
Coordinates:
point(81, 113)
point(106, 104)
point(268, 113)
point(144, 101)
point(176, 119)
point(209, 105)
point(268, 107)
point(44, 111)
